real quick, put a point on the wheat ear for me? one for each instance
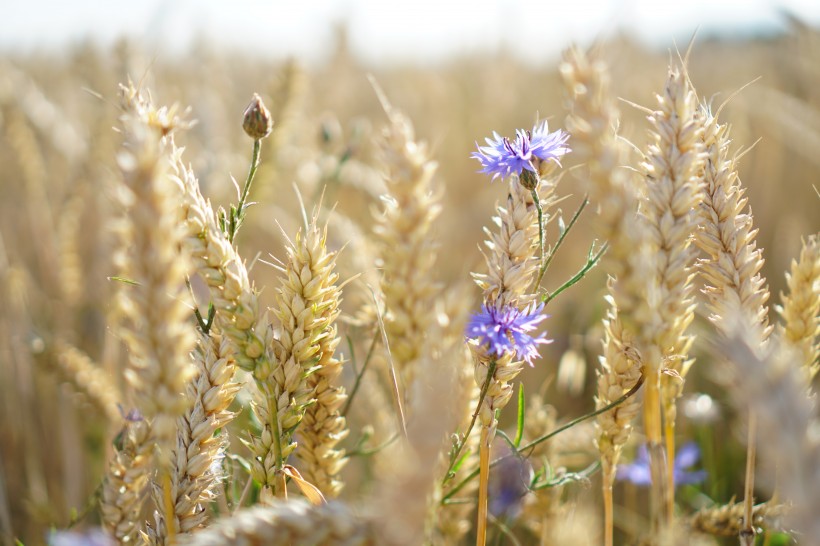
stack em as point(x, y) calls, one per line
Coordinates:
point(196, 465)
point(286, 524)
point(800, 310)
point(126, 482)
point(323, 426)
point(406, 248)
point(732, 269)
point(592, 123)
point(306, 306)
point(672, 166)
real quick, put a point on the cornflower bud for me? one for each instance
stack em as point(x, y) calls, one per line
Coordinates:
point(257, 122)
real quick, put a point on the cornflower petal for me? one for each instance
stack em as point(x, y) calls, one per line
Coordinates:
point(503, 157)
point(506, 329)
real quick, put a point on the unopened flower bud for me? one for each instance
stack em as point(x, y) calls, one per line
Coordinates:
point(528, 179)
point(257, 122)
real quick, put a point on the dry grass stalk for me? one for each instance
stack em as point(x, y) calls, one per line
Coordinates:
point(770, 381)
point(592, 125)
point(403, 503)
point(731, 272)
point(89, 379)
point(672, 166)
point(196, 466)
point(307, 305)
point(286, 524)
point(322, 426)
point(727, 520)
point(801, 306)
point(125, 485)
point(406, 249)
point(155, 319)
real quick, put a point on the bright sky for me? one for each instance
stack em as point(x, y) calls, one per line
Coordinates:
point(387, 30)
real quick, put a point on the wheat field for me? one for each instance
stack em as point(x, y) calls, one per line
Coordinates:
point(248, 301)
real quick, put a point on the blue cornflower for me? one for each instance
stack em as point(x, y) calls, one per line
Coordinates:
point(504, 157)
point(638, 472)
point(505, 329)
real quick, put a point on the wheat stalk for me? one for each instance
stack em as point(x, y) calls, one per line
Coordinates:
point(592, 123)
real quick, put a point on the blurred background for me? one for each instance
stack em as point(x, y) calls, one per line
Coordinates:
point(458, 69)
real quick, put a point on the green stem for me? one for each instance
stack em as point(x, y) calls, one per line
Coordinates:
point(592, 261)
point(239, 213)
point(547, 436)
point(356, 385)
point(545, 265)
point(454, 458)
point(537, 200)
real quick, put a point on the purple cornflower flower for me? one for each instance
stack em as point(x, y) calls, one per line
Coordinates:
point(638, 472)
point(506, 329)
point(504, 157)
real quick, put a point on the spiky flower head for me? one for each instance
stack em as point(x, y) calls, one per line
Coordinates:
point(504, 157)
point(506, 329)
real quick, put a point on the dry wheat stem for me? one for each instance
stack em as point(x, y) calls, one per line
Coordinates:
point(800, 310)
point(726, 520)
point(769, 380)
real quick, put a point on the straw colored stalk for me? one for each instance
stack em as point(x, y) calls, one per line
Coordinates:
point(801, 306)
point(770, 380)
point(406, 249)
point(592, 125)
point(306, 306)
point(731, 270)
point(287, 523)
point(88, 378)
point(403, 503)
point(155, 321)
point(198, 456)
point(323, 427)
point(125, 484)
point(672, 167)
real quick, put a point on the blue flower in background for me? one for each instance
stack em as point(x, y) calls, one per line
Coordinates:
point(507, 329)
point(504, 157)
point(638, 472)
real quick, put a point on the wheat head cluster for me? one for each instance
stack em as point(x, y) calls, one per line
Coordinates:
point(554, 319)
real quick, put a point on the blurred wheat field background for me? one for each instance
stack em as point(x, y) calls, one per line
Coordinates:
point(65, 394)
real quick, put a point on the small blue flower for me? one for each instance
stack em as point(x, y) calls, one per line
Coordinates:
point(639, 474)
point(506, 329)
point(503, 157)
